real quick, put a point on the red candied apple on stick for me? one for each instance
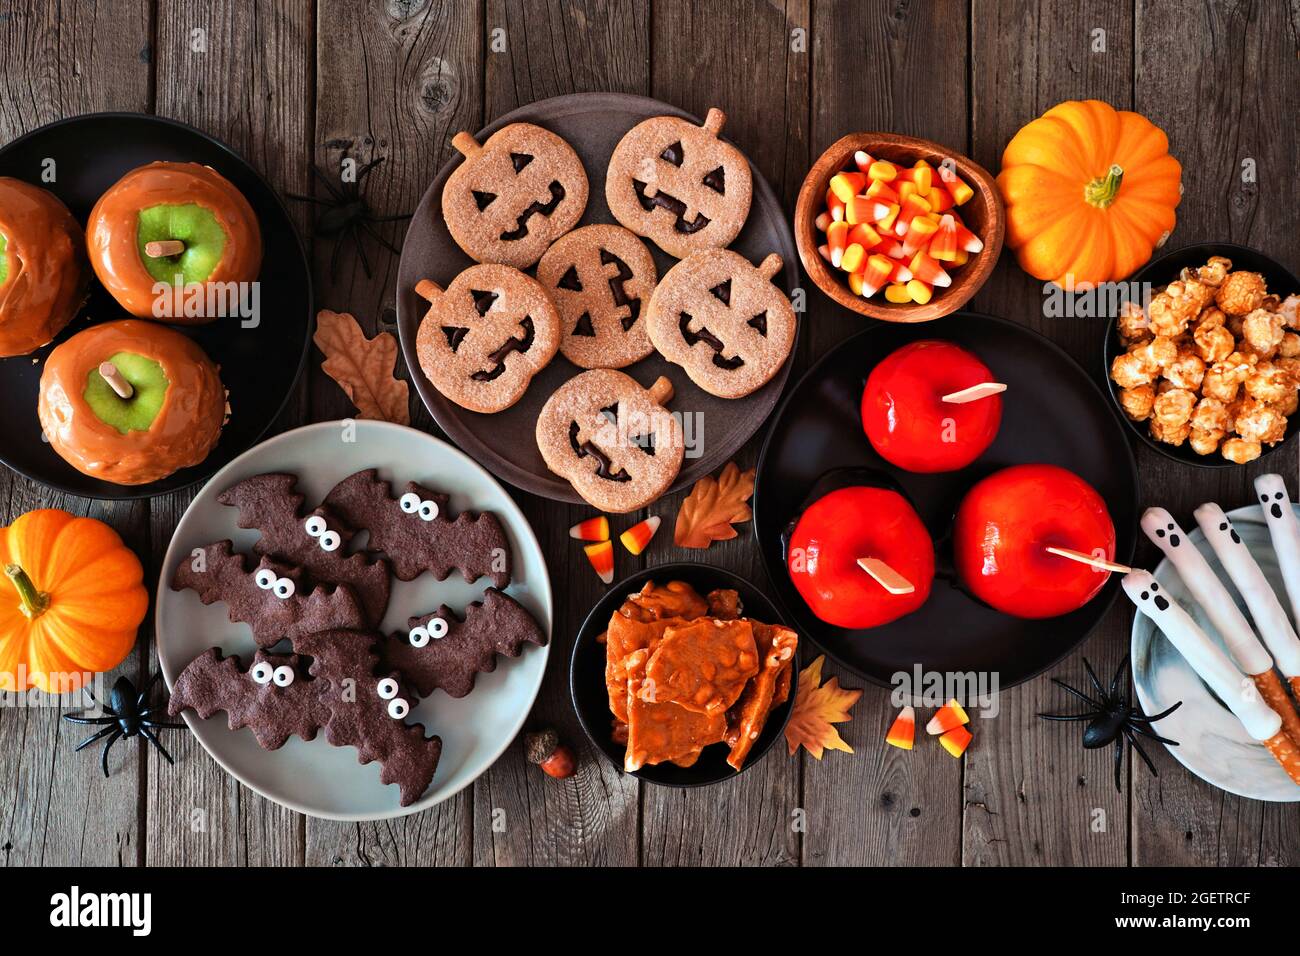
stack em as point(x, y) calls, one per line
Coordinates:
point(1212, 665)
point(931, 406)
point(1019, 537)
point(861, 557)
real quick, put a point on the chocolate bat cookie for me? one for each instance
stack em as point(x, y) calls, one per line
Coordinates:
point(271, 598)
point(415, 532)
point(368, 709)
point(315, 541)
point(273, 697)
point(441, 651)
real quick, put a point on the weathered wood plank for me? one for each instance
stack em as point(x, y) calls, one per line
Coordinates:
point(1032, 795)
point(242, 74)
point(1221, 80)
point(394, 80)
point(57, 807)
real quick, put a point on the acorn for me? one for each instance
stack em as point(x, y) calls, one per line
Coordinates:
point(544, 749)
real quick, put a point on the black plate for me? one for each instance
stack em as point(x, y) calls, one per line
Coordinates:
point(1160, 272)
point(259, 366)
point(591, 699)
point(1053, 413)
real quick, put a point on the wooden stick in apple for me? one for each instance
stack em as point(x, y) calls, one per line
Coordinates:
point(116, 381)
point(1210, 593)
point(885, 576)
point(163, 247)
point(1284, 529)
point(974, 393)
point(1212, 665)
point(1101, 564)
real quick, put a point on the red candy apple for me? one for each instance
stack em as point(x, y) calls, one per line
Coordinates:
point(850, 525)
point(906, 418)
point(1005, 525)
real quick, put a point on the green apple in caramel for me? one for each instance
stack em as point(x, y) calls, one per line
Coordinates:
point(131, 402)
point(166, 220)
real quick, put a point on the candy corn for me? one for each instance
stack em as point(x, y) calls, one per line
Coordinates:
point(593, 529)
point(638, 536)
point(902, 732)
point(847, 185)
point(950, 715)
point(897, 292)
point(944, 244)
point(601, 556)
point(956, 741)
point(862, 160)
point(926, 268)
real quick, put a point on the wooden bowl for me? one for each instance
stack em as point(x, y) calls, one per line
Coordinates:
point(983, 214)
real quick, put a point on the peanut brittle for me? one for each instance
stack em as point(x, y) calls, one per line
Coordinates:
point(768, 689)
point(659, 732)
point(702, 666)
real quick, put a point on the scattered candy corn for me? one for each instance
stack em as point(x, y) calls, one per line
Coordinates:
point(947, 717)
point(903, 730)
point(601, 556)
point(593, 529)
point(895, 229)
point(638, 536)
point(956, 741)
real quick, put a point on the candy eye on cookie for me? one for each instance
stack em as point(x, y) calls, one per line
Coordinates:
point(421, 634)
point(413, 504)
point(316, 527)
point(262, 672)
point(387, 689)
point(283, 588)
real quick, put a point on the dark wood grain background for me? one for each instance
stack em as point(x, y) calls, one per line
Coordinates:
point(290, 83)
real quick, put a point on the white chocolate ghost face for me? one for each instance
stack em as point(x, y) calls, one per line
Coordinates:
point(1218, 529)
point(1162, 529)
point(1273, 496)
point(1146, 593)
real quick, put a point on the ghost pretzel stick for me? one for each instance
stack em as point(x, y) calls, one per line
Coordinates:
point(269, 597)
point(1284, 529)
point(416, 533)
point(1212, 665)
point(1210, 593)
point(440, 650)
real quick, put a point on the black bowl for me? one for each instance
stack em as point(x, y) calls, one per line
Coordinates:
point(1054, 413)
point(259, 366)
point(591, 699)
point(1162, 271)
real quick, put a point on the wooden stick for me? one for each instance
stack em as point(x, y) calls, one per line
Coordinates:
point(1101, 564)
point(163, 247)
point(885, 576)
point(974, 393)
point(115, 380)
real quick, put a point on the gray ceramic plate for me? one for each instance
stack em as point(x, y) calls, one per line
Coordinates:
point(1211, 742)
point(593, 123)
point(313, 777)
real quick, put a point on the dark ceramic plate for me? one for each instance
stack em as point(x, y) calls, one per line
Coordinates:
point(504, 443)
point(1053, 413)
point(587, 675)
point(1160, 272)
point(259, 366)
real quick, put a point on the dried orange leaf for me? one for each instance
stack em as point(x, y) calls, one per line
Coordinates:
point(363, 367)
point(816, 707)
point(713, 506)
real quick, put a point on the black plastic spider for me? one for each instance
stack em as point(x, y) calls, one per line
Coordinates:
point(347, 214)
point(126, 716)
point(1114, 719)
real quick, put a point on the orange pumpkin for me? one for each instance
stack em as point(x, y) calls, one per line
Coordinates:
point(1090, 193)
point(71, 601)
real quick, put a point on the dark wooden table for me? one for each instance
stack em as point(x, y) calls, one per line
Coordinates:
point(289, 84)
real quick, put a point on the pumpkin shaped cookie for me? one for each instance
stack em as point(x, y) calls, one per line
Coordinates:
point(600, 278)
point(723, 320)
point(613, 440)
point(486, 336)
point(514, 195)
point(679, 184)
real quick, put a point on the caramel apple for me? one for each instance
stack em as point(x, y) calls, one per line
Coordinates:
point(931, 406)
point(43, 272)
point(861, 557)
point(1005, 526)
point(131, 402)
point(178, 225)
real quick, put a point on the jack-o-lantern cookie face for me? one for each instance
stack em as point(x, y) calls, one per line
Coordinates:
point(613, 440)
point(722, 319)
point(486, 336)
point(514, 195)
point(678, 184)
point(600, 278)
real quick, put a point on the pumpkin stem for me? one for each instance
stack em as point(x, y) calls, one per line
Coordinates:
point(1101, 192)
point(32, 602)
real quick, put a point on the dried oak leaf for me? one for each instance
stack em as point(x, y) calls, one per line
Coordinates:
point(713, 506)
point(816, 707)
point(363, 367)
